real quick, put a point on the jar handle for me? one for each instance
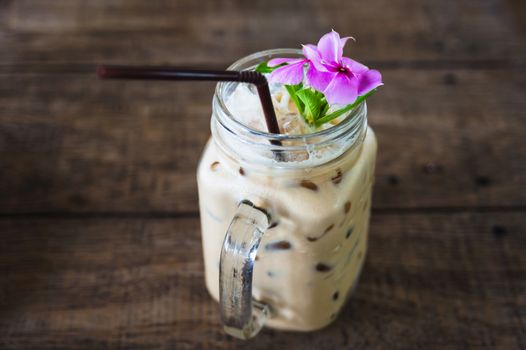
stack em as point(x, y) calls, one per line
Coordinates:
point(241, 315)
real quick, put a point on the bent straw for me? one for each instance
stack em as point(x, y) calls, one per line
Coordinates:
point(172, 73)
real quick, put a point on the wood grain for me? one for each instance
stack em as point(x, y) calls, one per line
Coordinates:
point(211, 32)
point(447, 138)
point(98, 207)
point(446, 281)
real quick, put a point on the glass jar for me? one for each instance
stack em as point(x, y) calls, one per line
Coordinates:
point(284, 218)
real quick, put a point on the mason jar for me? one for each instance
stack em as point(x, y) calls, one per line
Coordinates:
point(284, 218)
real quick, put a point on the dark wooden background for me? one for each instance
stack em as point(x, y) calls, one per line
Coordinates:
point(100, 243)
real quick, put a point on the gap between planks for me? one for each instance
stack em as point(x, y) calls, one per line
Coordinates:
point(195, 214)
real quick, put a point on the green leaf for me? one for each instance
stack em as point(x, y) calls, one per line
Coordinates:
point(292, 89)
point(314, 102)
point(339, 112)
point(324, 110)
point(263, 67)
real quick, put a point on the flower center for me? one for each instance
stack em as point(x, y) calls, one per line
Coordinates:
point(342, 70)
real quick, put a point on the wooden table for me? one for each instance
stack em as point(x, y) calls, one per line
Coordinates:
point(100, 242)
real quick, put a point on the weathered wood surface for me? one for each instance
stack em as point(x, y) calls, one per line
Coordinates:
point(436, 281)
point(447, 138)
point(98, 206)
point(208, 31)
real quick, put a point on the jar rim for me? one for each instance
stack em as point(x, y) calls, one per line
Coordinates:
point(219, 98)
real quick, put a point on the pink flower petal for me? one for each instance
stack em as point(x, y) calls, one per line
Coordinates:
point(368, 81)
point(318, 79)
point(291, 74)
point(312, 54)
point(344, 40)
point(341, 90)
point(355, 66)
point(330, 47)
point(277, 61)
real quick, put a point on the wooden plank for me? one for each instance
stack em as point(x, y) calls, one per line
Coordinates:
point(518, 9)
point(208, 32)
point(447, 138)
point(435, 281)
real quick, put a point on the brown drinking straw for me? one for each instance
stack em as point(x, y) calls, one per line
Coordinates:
point(171, 73)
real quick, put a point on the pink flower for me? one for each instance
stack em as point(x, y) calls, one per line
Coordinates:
point(290, 74)
point(339, 78)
